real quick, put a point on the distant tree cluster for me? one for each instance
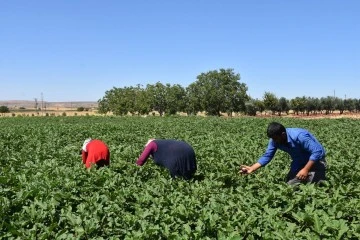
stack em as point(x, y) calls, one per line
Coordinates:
point(214, 92)
point(302, 105)
point(4, 109)
point(81, 109)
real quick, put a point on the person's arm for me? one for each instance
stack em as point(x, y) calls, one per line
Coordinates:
point(317, 153)
point(150, 148)
point(265, 159)
point(303, 173)
point(249, 169)
point(311, 145)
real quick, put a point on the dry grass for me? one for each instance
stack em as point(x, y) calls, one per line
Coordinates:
point(60, 112)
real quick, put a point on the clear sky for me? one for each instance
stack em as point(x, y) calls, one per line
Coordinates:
point(75, 50)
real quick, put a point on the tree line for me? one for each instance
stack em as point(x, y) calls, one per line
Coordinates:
point(214, 92)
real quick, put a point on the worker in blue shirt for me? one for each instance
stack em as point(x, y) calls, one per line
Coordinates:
point(308, 155)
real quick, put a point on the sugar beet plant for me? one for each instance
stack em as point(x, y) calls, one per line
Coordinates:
point(46, 193)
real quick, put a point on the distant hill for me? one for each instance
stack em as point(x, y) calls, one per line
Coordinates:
point(16, 104)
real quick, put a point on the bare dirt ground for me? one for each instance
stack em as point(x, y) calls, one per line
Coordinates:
point(334, 115)
point(17, 104)
point(28, 108)
point(62, 112)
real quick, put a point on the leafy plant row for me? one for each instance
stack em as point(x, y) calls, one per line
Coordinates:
point(47, 194)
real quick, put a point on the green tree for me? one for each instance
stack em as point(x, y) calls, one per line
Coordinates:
point(357, 105)
point(175, 99)
point(4, 109)
point(309, 105)
point(339, 104)
point(221, 91)
point(157, 95)
point(259, 105)
point(103, 105)
point(298, 104)
point(271, 102)
point(350, 104)
point(317, 105)
point(328, 104)
point(117, 100)
point(142, 104)
point(123, 101)
point(250, 108)
point(283, 106)
point(192, 99)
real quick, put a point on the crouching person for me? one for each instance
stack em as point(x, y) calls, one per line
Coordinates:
point(95, 152)
point(177, 156)
point(308, 155)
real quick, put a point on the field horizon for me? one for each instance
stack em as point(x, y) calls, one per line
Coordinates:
point(28, 104)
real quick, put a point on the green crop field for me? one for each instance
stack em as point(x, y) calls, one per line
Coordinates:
point(46, 193)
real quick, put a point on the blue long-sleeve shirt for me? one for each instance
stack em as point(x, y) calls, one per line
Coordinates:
point(301, 145)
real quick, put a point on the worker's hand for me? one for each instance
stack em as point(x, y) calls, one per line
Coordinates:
point(302, 174)
point(245, 169)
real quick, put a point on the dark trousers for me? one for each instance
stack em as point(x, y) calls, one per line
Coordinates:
point(316, 174)
point(102, 163)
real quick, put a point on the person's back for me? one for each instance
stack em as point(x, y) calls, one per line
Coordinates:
point(177, 156)
point(301, 146)
point(96, 152)
point(170, 150)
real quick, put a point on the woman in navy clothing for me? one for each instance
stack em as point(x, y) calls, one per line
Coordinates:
point(177, 156)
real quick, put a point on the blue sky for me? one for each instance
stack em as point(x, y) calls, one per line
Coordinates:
point(75, 50)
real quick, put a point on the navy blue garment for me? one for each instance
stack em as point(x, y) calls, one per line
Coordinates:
point(177, 156)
